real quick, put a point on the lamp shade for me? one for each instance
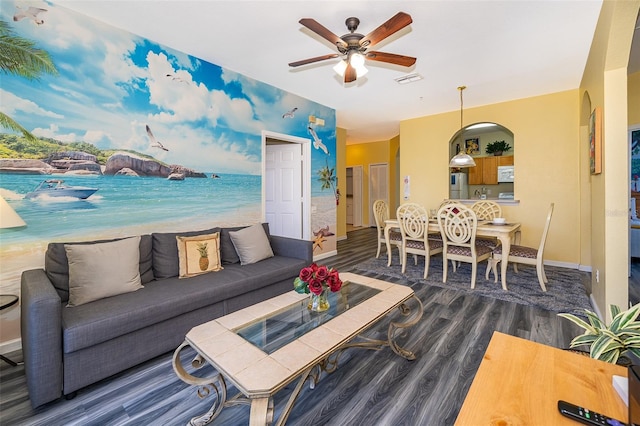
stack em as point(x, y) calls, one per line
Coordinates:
point(461, 160)
point(8, 216)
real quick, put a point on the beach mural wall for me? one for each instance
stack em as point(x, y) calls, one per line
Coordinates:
point(170, 142)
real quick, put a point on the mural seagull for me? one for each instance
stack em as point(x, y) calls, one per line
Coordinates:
point(290, 114)
point(317, 143)
point(154, 143)
point(176, 78)
point(30, 13)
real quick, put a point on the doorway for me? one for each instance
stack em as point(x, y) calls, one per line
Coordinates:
point(286, 185)
point(378, 186)
point(354, 196)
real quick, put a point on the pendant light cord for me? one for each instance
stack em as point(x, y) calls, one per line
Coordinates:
point(461, 88)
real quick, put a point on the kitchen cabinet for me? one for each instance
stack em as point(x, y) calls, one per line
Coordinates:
point(486, 170)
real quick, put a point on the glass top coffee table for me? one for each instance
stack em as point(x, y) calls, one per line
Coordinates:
point(262, 348)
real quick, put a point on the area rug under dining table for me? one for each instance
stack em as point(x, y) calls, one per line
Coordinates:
point(565, 291)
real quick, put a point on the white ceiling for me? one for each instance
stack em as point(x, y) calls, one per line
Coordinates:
point(500, 49)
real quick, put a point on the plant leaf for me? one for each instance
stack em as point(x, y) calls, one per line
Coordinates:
point(622, 319)
point(594, 320)
point(603, 344)
point(583, 339)
point(615, 310)
point(579, 322)
point(611, 357)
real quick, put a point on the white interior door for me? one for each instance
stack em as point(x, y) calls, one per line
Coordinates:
point(357, 195)
point(378, 186)
point(283, 189)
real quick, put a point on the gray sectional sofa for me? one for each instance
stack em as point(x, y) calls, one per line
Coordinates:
point(67, 348)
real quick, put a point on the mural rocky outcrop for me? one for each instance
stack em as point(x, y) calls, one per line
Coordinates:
point(122, 163)
point(71, 155)
point(24, 166)
point(141, 166)
point(126, 172)
point(186, 172)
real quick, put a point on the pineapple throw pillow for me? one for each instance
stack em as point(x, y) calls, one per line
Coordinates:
point(199, 254)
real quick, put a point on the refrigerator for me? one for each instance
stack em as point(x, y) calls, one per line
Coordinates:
point(458, 186)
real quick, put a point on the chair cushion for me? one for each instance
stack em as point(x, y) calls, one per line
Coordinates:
point(489, 242)
point(519, 251)
point(466, 251)
point(395, 236)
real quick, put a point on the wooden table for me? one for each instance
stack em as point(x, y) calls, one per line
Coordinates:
point(505, 233)
point(519, 382)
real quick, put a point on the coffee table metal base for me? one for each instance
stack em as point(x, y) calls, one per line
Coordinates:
point(262, 410)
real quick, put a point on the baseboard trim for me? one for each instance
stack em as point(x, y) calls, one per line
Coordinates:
point(596, 309)
point(325, 255)
point(342, 237)
point(10, 346)
point(567, 265)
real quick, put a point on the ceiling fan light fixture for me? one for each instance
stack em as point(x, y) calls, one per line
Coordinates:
point(341, 67)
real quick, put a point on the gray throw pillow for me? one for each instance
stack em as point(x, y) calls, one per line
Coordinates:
point(102, 270)
point(252, 244)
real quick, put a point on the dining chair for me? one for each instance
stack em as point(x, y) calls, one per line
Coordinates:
point(525, 255)
point(487, 210)
point(380, 214)
point(414, 225)
point(458, 227)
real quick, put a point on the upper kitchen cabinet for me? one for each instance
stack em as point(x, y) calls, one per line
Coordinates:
point(486, 170)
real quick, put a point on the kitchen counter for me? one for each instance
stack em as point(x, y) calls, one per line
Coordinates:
point(502, 201)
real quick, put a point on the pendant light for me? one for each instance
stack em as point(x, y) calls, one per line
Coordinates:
point(462, 159)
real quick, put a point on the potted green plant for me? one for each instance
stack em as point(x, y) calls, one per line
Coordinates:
point(497, 147)
point(609, 343)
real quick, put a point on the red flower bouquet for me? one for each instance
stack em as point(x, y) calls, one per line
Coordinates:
point(315, 279)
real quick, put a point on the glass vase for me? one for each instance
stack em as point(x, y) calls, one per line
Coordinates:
point(319, 302)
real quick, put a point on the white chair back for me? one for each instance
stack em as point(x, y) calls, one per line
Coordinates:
point(458, 225)
point(413, 221)
point(487, 209)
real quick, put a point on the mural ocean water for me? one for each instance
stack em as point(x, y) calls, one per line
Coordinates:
point(110, 210)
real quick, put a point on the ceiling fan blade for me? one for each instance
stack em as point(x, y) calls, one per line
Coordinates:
point(312, 60)
point(350, 74)
point(392, 58)
point(323, 32)
point(394, 24)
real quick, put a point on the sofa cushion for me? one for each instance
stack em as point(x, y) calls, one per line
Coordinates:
point(227, 250)
point(251, 244)
point(165, 252)
point(56, 263)
point(191, 258)
point(92, 274)
point(108, 318)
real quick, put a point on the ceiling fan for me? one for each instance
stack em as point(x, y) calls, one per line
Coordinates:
point(353, 46)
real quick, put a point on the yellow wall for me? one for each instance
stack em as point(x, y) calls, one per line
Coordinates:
point(604, 84)
point(633, 98)
point(341, 143)
point(547, 162)
point(364, 155)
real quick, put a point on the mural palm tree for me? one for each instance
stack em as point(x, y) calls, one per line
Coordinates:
point(328, 179)
point(21, 57)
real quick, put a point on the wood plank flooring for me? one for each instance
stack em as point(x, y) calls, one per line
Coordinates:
point(369, 387)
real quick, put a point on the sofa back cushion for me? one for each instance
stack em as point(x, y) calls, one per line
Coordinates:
point(227, 249)
point(166, 262)
point(92, 275)
point(56, 263)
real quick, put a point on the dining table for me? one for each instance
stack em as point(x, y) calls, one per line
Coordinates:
point(505, 233)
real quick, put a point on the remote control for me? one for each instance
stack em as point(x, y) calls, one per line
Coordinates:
point(586, 416)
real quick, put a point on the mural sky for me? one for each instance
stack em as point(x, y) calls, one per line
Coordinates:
point(112, 83)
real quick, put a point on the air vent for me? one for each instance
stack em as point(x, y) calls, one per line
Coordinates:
point(409, 78)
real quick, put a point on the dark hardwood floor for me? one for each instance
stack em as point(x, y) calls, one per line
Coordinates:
point(634, 281)
point(368, 388)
